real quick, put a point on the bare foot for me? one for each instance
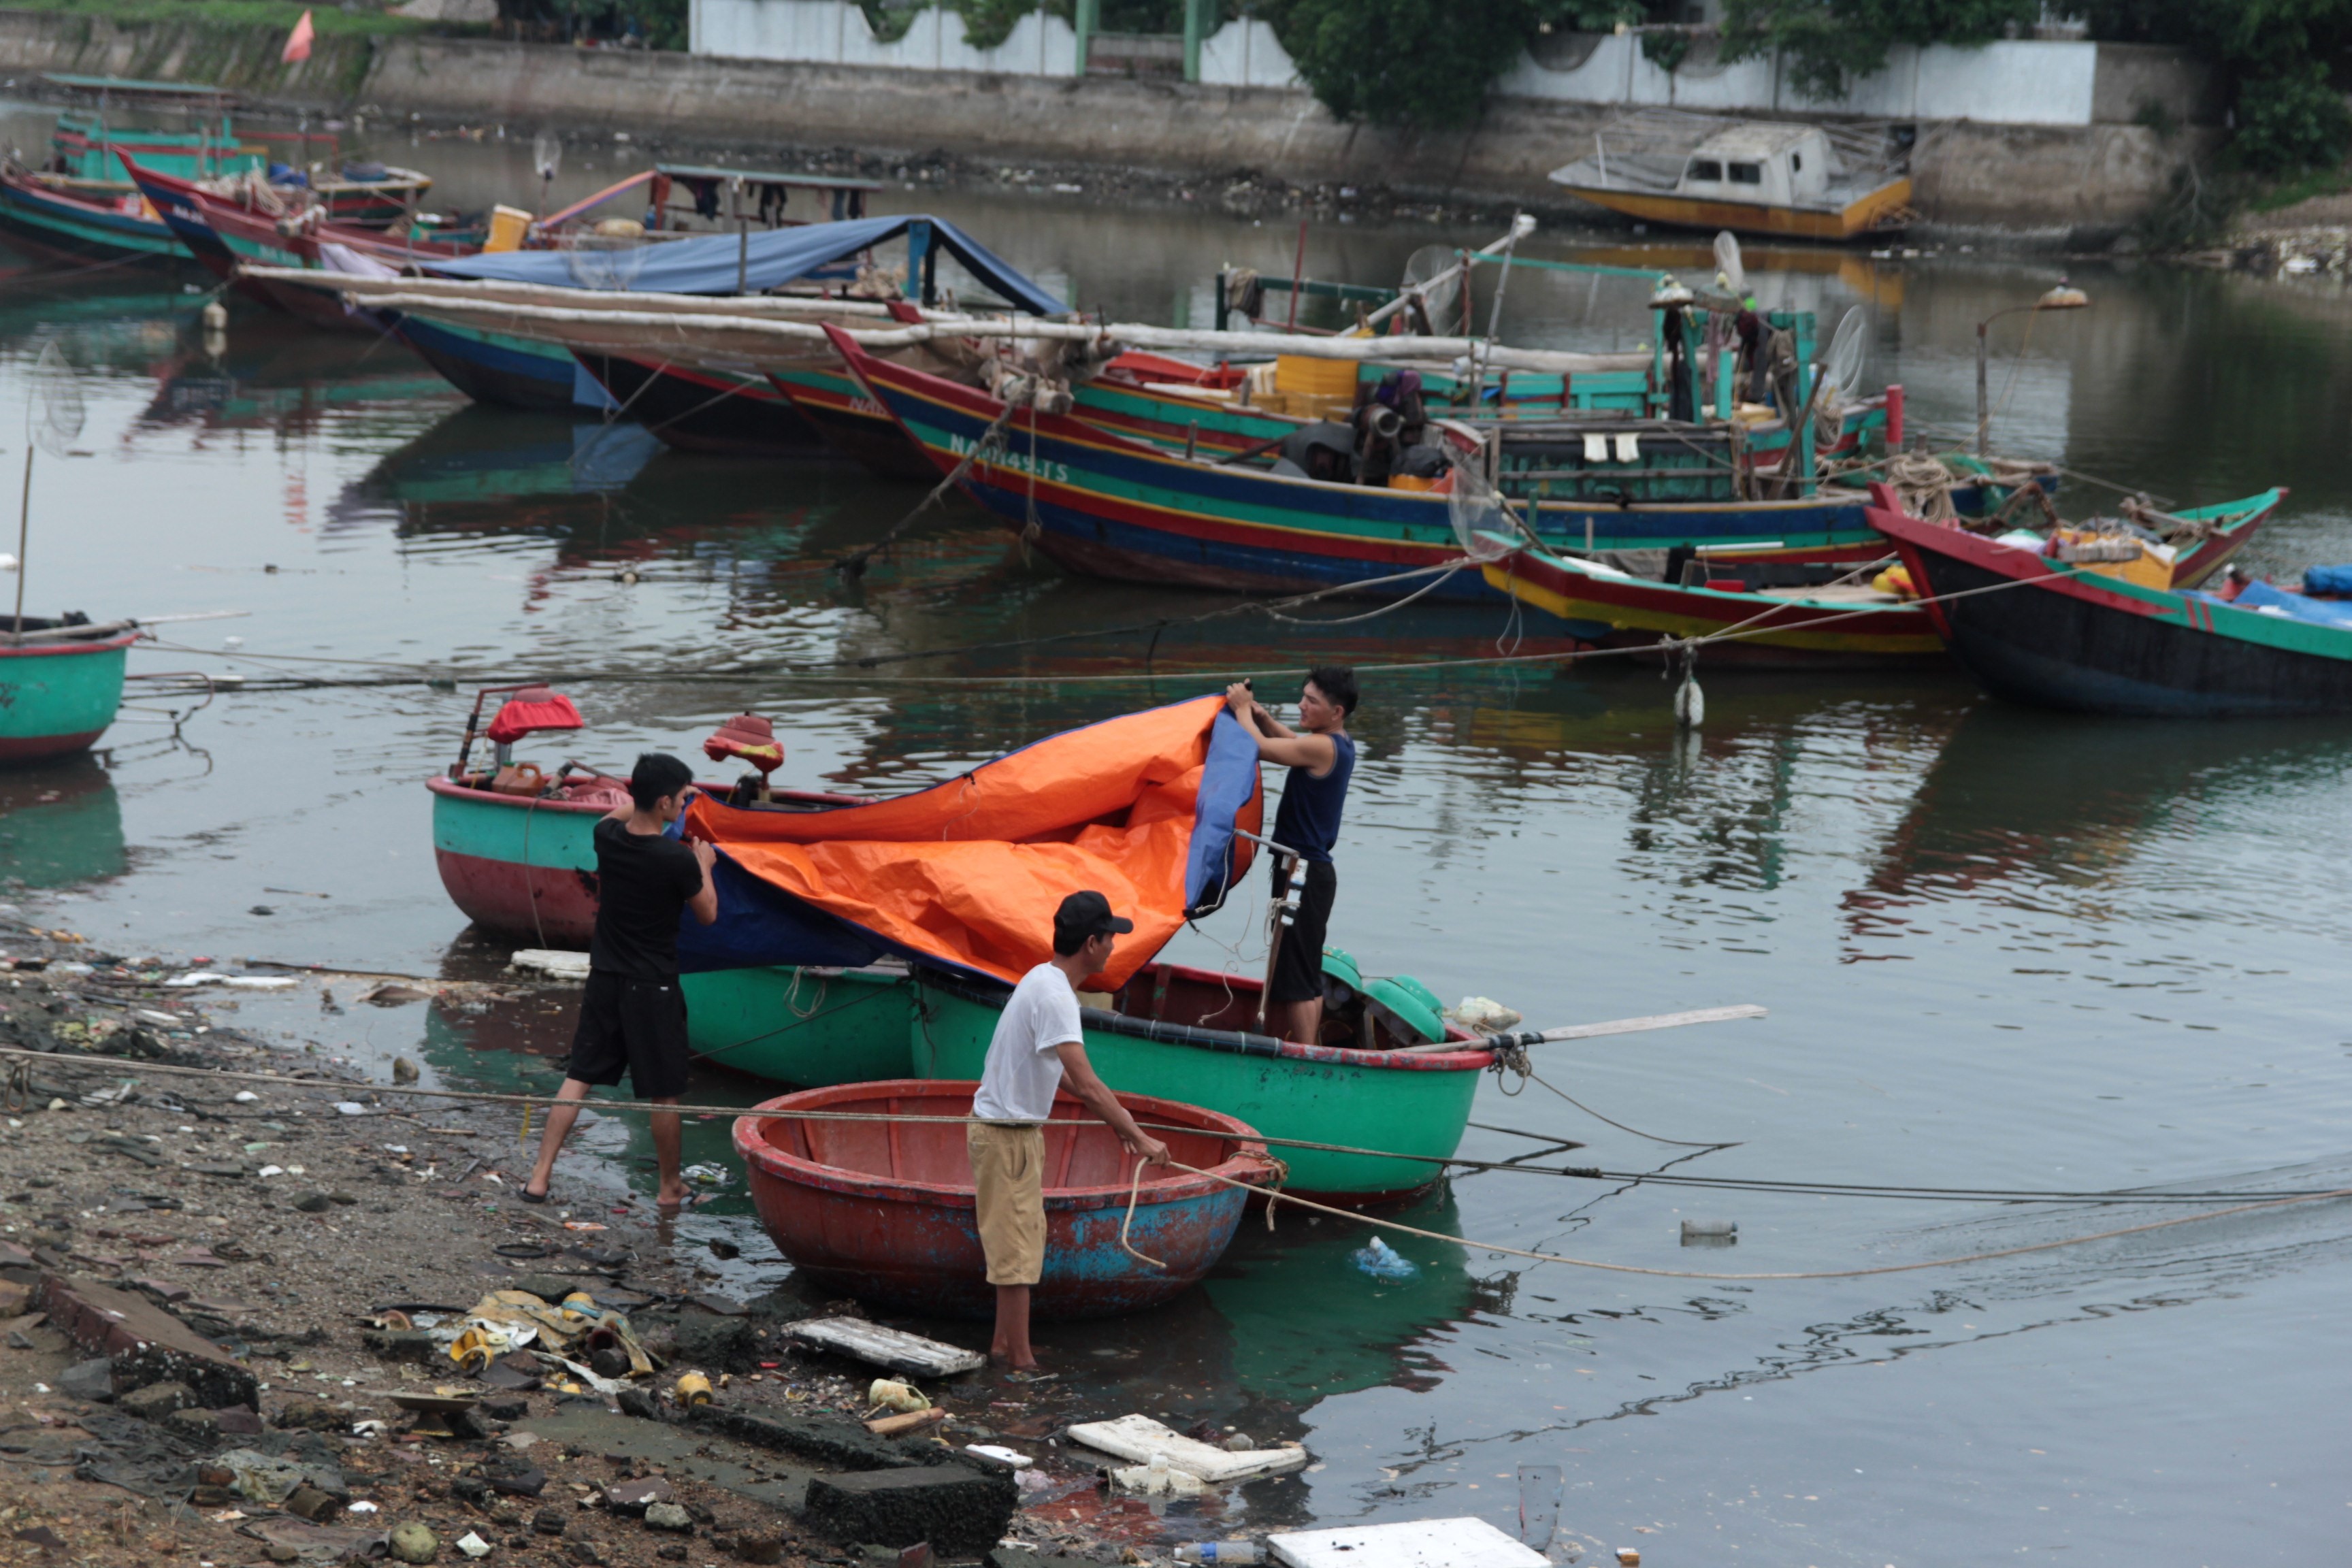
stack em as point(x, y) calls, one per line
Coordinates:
point(673, 1195)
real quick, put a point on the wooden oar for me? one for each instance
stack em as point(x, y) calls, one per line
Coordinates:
point(1592, 1031)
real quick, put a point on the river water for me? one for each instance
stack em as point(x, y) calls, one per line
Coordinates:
point(2000, 948)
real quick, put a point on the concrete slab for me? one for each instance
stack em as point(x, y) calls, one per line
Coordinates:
point(957, 1509)
point(144, 1343)
point(692, 1451)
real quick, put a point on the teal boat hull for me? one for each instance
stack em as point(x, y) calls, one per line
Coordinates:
point(1400, 1103)
point(57, 698)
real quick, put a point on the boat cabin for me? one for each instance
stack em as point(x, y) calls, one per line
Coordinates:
point(1759, 162)
point(130, 116)
point(725, 198)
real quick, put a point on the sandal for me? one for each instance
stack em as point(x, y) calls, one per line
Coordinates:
point(527, 1196)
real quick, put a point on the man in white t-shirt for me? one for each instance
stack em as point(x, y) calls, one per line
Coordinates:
point(1038, 1048)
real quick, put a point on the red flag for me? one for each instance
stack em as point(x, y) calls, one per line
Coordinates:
point(297, 43)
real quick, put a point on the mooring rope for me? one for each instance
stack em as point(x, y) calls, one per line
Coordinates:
point(1272, 1193)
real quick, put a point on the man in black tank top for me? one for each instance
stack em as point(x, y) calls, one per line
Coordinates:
point(1321, 761)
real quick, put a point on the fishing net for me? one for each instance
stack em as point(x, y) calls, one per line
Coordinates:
point(57, 410)
point(1482, 526)
point(607, 263)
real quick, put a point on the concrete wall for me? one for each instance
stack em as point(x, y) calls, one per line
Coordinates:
point(1242, 53)
point(835, 32)
point(2079, 181)
point(2024, 82)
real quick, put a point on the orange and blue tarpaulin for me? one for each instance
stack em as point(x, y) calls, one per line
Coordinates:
point(1142, 808)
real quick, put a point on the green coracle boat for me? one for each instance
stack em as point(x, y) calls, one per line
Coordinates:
point(59, 686)
point(1184, 1034)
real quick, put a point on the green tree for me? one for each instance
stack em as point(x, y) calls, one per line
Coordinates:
point(1417, 63)
point(1827, 43)
point(2270, 54)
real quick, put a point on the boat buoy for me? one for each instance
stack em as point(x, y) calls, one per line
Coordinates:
point(216, 317)
point(1690, 703)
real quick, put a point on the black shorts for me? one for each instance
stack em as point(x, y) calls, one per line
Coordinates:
point(1298, 962)
point(638, 1025)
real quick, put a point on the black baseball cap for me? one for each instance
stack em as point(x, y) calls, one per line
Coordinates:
point(1087, 913)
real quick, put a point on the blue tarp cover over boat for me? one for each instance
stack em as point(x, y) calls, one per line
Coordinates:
point(712, 264)
point(966, 875)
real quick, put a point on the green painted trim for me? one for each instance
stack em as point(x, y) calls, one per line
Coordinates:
point(519, 834)
point(1420, 1112)
point(802, 1026)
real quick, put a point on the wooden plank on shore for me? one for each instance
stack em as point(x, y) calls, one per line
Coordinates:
point(889, 1348)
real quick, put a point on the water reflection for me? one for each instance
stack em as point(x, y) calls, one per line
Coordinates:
point(275, 372)
point(481, 454)
point(60, 825)
point(2039, 811)
point(1308, 1324)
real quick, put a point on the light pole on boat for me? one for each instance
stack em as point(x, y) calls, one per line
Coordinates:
point(2065, 297)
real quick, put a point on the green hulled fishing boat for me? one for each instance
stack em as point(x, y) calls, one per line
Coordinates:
point(1192, 1035)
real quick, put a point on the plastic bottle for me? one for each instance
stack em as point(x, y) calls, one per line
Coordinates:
point(1217, 1552)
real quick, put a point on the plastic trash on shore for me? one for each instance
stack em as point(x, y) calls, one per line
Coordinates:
point(705, 1175)
point(1218, 1552)
point(555, 963)
point(1138, 1439)
point(901, 1397)
point(1381, 1261)
point(1002, 1456)
point(1466, 1542)
point(1158, 1478)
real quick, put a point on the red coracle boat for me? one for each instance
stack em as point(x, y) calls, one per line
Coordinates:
point(884, 1210)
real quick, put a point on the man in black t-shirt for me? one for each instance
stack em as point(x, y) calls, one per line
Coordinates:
point(633, 1015)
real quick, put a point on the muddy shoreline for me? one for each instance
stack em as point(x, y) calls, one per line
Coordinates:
point(277, 1225)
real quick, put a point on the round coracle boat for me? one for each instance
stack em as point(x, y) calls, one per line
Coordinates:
point(882, 1210)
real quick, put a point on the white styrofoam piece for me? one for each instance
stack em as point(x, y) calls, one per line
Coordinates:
point(1137, 1437)
point(890, 1348)
point(556, 963)
point(1413, 1544)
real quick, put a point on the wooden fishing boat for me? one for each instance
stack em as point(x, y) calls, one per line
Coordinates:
point(1831, 624)
point(1108, 506)
point(846, 418)
point(60, 686)
point(1753, 177)
point(2068, 635)
point(884, 1211)
point(55, 214)
point(521, 861)
point(1189, 1035)
point(1792, 614)
point(726, 412)
point(1204, 409)
point(223, 232)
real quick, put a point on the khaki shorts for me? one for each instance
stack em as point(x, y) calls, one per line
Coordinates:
point(1008, 1168)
